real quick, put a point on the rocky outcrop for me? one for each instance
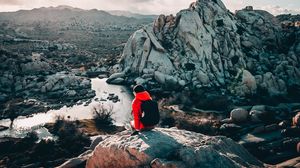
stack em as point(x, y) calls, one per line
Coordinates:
point(69, 85)
point(265, 58)
point(169, 148)
point(206, 46)
point(270, 133)
point(36, 78)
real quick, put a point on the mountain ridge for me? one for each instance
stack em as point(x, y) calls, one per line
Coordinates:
point(75, 9)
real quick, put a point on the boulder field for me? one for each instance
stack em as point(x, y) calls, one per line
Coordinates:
point(32, 84)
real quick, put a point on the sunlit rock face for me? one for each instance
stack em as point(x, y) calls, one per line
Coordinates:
point(206, 46)
point(169, 147)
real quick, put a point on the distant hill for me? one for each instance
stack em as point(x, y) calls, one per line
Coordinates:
point(67, 14)
point(95, 30)
point(288, 17)
point(130, 14)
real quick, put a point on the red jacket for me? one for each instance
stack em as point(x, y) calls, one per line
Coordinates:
point(136, 108)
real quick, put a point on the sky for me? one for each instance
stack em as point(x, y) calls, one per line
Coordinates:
point(151, 6)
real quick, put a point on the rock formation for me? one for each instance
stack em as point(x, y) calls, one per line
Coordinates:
point(206, 46)
point(23, 78)
point(169, 148)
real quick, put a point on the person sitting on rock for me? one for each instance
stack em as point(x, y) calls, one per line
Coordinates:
point(144, 110)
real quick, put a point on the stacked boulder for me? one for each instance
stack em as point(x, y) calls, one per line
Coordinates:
point(271, 56)
point(206, 46)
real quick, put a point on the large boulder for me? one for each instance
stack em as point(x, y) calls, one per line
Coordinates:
point(239, 115)
point(261, 113)
point(173, 147)
point(272, 84)
point(247, 86)
point(35, 67)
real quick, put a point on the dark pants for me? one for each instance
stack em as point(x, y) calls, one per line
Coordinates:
point(144, 129)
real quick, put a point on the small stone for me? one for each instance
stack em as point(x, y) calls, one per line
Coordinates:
point(229, 128)
point(140, 81)
point(247, 44)
point(226, 120)
point(203, 78)
point(181, 83)
point(71, 93)
point(117, 81)
point(102, 76)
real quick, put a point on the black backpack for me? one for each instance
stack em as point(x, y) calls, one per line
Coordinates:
point(151, 113)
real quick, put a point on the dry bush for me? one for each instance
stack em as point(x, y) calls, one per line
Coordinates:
point(103, 116)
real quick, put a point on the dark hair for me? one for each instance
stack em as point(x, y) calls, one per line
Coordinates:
point(138, 88)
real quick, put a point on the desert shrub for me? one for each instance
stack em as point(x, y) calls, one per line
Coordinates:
point(103, 116)
point(59, 122)
point(69, 136)
point(27, 142)
point(43, 148)
point(31, 136)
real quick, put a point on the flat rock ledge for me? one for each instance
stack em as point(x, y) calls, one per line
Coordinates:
point(169, 147)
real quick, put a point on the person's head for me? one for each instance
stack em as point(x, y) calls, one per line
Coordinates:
point(138, 89)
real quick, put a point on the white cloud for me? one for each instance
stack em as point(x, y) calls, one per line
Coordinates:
point(233, 5)
point(276, 10)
